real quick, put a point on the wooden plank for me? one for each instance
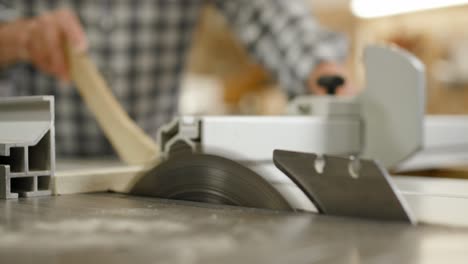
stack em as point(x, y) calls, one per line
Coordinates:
point(132, 144)
point(116, 179)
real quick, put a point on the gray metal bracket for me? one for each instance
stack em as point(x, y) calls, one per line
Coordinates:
point(27, 146)
point(180, 134)
point(345, 187)
point(392, 105)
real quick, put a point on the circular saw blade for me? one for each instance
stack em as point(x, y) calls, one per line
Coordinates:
point(209, 179)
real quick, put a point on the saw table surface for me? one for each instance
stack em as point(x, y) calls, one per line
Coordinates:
point(114, 228)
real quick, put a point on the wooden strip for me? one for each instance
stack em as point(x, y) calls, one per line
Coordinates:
point(116, 179)
point(132, 144)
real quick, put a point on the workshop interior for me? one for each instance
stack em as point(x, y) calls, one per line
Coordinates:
point(269, 131)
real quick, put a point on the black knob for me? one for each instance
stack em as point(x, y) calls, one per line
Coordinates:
point(331, 83)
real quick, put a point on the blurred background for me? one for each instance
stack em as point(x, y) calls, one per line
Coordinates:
point(227, 81)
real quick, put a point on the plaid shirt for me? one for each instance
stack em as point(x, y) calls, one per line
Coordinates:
point(141, 45)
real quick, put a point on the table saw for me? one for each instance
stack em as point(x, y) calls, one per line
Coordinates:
point(363, 213)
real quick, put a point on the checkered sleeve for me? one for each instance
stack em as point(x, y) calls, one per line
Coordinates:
point(284, 37)
point(6, 14)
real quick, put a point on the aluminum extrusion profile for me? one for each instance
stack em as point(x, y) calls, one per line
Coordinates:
point(27, 146)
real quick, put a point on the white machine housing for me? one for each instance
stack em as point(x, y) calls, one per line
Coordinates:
point(385, 123)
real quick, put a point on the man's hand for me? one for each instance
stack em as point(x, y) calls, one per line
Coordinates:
point(42, 41)
point(330, 69)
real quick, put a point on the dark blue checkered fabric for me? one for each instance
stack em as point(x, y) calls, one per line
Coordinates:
point(140, 46)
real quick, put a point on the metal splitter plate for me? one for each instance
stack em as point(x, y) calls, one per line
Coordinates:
point(364, 192)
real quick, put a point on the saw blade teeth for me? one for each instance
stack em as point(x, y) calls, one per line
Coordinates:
point(210, 179)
